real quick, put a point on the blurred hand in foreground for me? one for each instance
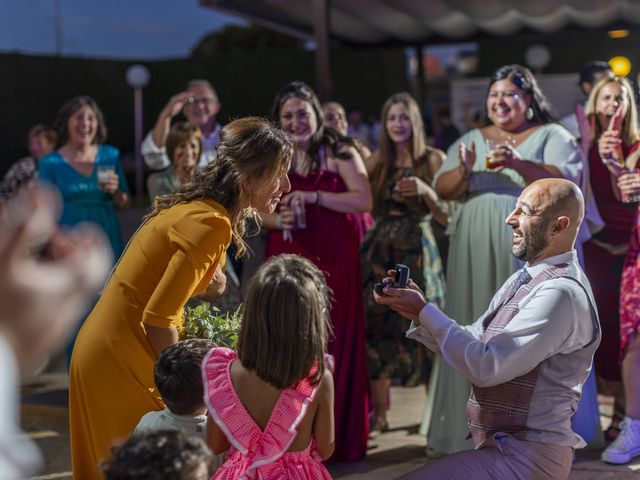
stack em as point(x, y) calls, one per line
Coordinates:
point(48, 276)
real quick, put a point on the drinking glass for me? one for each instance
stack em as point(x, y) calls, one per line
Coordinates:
point(630, 197)
point(104, 173)
point(619, 170)
point(490, 164)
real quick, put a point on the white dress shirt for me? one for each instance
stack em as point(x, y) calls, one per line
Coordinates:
point(166, 419)
point(156, 157)
point(554, 328)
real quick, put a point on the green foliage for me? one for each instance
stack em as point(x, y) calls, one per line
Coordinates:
point(236, 38)
point(206, 321)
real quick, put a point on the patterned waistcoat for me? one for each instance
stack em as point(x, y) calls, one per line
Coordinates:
point(505, 407)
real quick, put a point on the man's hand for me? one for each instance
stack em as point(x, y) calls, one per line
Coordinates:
point(175, 105)
point(408, 302)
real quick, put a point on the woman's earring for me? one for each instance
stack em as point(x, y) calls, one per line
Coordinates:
point(530, 114)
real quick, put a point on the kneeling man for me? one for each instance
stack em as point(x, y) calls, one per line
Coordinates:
point(528, 356)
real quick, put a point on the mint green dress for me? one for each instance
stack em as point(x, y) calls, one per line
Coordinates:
point(480, 261)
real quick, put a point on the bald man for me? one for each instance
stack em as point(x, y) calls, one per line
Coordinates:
point(528, 356)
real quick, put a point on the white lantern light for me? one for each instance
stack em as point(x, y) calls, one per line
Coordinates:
point(137, 76)
point(537, 56)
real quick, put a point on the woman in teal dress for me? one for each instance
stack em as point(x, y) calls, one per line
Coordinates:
point(486, 169)
point(86, 172)
point(404, 202)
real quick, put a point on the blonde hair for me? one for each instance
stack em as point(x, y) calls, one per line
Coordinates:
point(629, 133)
point(285, 322)
point(387, 153)
point(250, 148)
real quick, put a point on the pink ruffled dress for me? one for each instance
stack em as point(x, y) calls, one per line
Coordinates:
point(257, 454)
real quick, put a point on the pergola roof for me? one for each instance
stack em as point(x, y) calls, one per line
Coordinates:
point(416, 22)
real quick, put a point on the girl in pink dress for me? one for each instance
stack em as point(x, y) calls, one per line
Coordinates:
point(271, 404)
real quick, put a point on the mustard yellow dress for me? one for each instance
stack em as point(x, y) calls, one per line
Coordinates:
point(170, 259)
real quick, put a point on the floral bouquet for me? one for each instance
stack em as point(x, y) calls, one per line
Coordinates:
point(206, 321)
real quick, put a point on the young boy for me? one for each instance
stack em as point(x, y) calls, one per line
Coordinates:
point(179, 381)
point(159, 455)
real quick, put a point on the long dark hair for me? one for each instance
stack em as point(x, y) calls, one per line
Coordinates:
point(69, 108)
point(250, 148)
point(522, 78)
point(323, 135)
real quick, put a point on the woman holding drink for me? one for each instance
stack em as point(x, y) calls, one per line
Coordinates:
point(611, 112)
point(328, 182)
point(486, 169)
point(404, 203)
point(627, 444)
point(87, 172)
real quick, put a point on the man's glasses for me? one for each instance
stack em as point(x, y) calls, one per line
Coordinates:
point(205, 100)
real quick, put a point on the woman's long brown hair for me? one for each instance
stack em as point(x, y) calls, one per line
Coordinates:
point(387, 153)
point(250, 149)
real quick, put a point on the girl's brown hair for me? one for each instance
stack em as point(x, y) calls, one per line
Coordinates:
point(250, 149)
point(629, 133)
point(285, 322)
point(180, 132)
point(387, 153)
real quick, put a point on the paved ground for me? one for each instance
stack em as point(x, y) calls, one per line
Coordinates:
point(391, 454)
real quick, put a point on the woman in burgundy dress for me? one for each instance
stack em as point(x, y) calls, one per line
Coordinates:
point(328, 182)
point(627, 444)
point(612, 113)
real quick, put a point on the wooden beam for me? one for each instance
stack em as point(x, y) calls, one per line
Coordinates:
point(321, 22)
point(420, 78)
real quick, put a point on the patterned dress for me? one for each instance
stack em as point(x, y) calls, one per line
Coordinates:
point(630, 289)
point(401, 234)
point(256, 453)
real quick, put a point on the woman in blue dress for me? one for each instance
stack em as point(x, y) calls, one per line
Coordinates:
point(87, 172)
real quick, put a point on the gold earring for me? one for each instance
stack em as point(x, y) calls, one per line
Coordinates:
point(530, 114)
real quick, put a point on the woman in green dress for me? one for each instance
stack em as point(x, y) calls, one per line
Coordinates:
point(404, 202)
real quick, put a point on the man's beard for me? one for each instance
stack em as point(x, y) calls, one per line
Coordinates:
point(533, 242)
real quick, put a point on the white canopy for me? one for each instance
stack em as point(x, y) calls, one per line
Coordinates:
point(414, 22)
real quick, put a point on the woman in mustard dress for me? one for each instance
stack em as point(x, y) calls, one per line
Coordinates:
point(172, 257)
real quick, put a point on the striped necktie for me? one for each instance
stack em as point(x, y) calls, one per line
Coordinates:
point(522, 279)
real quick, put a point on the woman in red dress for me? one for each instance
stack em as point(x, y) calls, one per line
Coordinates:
point(627, 445)
point(328, 182)
point(612, 113)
